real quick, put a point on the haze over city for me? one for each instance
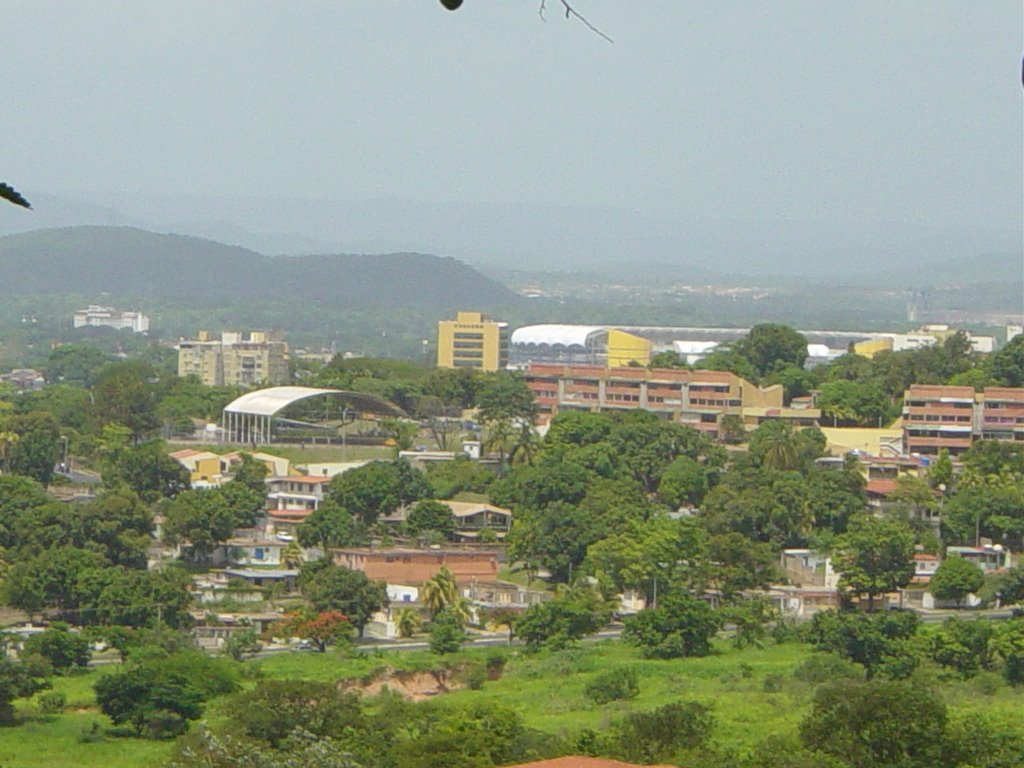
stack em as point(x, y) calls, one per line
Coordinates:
point(744, 137)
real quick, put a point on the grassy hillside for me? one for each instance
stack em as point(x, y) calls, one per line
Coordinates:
point(752, 692)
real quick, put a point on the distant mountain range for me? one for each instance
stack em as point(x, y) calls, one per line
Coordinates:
point(534, 236)
point(127, 261)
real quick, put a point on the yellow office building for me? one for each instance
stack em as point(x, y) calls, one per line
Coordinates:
point(472, 340)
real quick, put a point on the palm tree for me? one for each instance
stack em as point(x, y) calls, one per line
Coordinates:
point(408, 622)
point(526, 445)
point(293, 556)
point(780, 450)
point(440, 591)
point(500, 434)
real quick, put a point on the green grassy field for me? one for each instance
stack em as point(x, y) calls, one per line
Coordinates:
point(546, 688)
point(298, 455)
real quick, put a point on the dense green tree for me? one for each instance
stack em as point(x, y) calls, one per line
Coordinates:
point(877, 724)
point(1005, 586)
point(835, 497)
point(139, 598)
point(1008, 363)
point(125, 394)
point(148, 470)
point(63, 650)
point(275, 708)
point(965, 646)
point(448, 478)
point(975, 739)
point(771, 347)
point(51, 579)
point(35, 455)
point(1009, 644)
point(680, 626)
point(554, 538)
point(684, 482)
point(854, 403)
point(75, 364)
point(989, 510)
point(881, 643)
point(330, 587)
point(446, 632)
point(440, 591)
point(204, 518)
point(157, 697)
point(430, 515)
point(252, 473)
point(330, 526)
point(505, 397)
point(570, 616)
point(578, 428)
point(738, 564)
point(645, 445)
point(535, 487)
point(378, 488)
point(955, 579)
point(639, 553)
point(19, 679)
point(874, 557)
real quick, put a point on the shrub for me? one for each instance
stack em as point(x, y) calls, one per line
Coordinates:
point(275, 708)
point(826, 667)
point(773, 683)
point(653, 737)
point(613, 685)
point(475, 677)
point(52, 702)
point(496, 665)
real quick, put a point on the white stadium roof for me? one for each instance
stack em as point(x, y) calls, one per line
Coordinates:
point(267, 402)
point(556, 335)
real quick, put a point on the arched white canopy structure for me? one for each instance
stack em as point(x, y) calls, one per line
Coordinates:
point(250, 418)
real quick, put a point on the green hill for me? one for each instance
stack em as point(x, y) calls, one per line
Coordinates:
point(91, 260)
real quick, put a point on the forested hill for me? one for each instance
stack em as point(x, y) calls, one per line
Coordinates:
point(127, 261)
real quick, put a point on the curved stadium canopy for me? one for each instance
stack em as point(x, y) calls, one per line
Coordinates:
point(249, 418)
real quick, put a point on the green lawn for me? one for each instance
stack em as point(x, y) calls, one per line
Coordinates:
point(298, 455)
point(546, 688)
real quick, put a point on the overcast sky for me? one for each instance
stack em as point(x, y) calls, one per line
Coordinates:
point(756, 110)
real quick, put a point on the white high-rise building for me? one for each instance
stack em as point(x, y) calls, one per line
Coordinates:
point(108, 317)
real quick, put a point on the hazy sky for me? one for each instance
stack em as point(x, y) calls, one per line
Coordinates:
point(756, 110)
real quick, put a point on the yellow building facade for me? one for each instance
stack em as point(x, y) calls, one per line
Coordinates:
point(625, 348)
point(472, 340)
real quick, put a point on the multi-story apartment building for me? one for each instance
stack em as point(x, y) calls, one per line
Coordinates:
point(472, 340)
point(696, 398)
point(107, 317)
point(937, 417)
point(235, 359)
point(1002, 414)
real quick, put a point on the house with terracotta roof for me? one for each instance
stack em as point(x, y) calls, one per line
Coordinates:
point(415, 566)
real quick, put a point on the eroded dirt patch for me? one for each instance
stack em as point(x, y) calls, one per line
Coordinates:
point(411, 686)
